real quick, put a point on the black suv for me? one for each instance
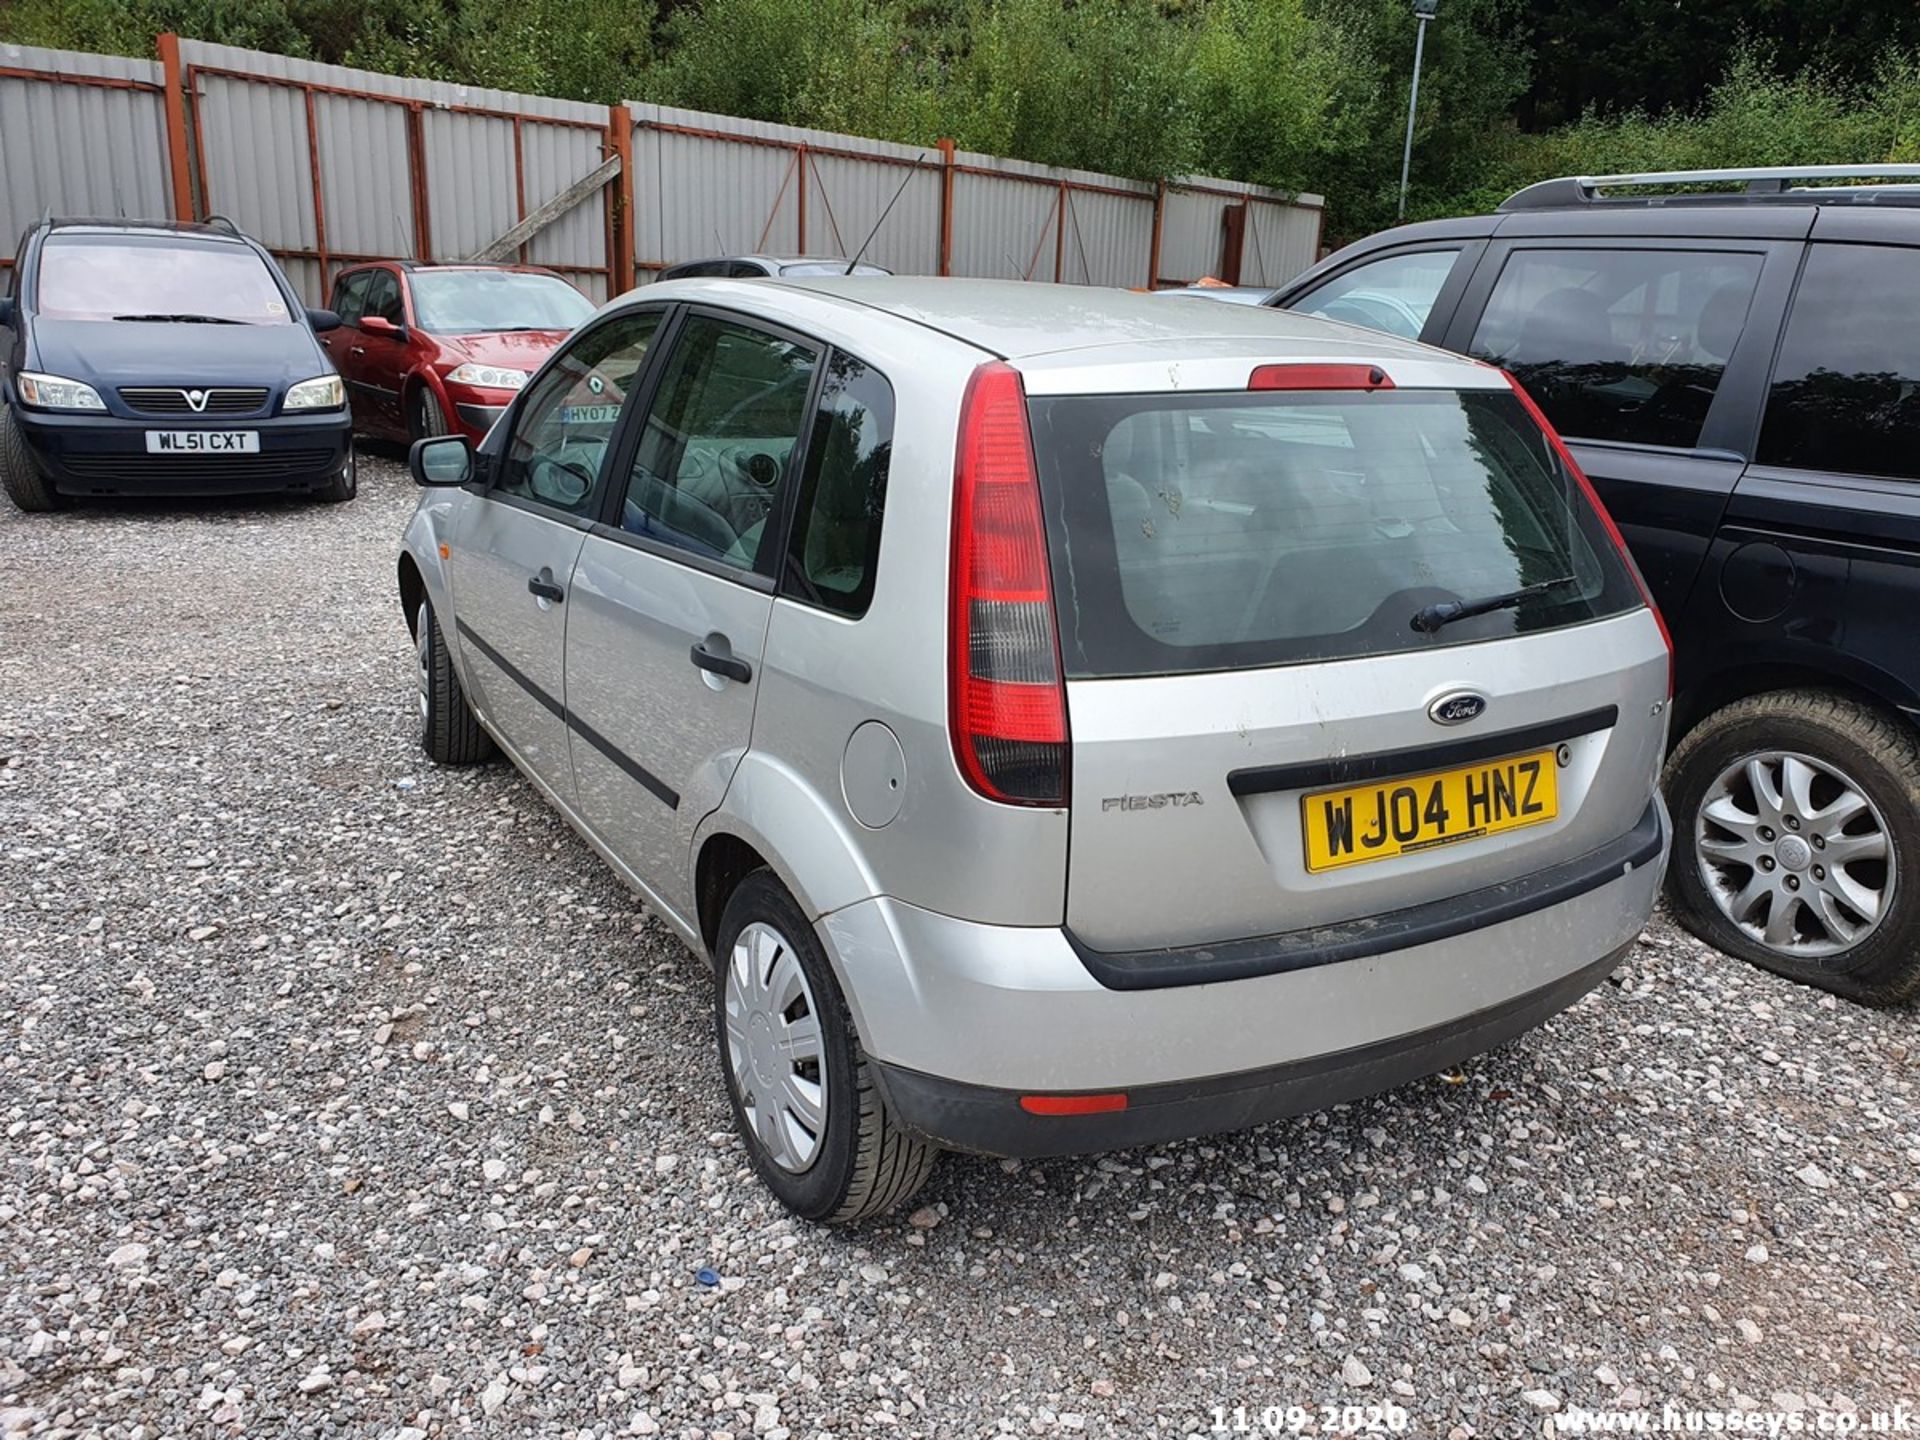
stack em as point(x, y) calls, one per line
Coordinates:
point(153, 358)
point(1739, 374)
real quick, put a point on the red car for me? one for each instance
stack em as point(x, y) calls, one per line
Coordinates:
point(441, 349)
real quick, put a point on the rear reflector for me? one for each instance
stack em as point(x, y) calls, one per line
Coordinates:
point(1319, 377)
point(1008, 704)
point(1072, 1104)
point(1599, 506)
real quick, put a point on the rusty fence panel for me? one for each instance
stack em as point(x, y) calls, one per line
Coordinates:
point(1018, 221)
point(84, 135)
point(707, 185)
point(328, 166)
point(1229, 230)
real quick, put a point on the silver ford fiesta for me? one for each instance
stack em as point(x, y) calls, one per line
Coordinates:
point(1067, 721)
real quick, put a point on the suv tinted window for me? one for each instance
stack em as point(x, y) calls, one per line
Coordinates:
point(562, 427)
point(1620, 344)
point(1226, 531)
point(1394, 294)
point(843, 495)
point(1846, 388)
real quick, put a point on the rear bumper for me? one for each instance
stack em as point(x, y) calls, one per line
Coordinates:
point(990, 1121)
point(962, 1019)
point(107, 455)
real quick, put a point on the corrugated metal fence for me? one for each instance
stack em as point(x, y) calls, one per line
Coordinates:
point(328, 166)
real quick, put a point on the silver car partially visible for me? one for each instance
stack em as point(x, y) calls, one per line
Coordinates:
point(1066, 720)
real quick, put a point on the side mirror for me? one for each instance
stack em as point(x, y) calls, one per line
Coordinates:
point(380, 325)
point(441, 460)
point(322, 320)
point(6, 312)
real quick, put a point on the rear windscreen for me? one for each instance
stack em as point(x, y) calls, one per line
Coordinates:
point(1212, 532)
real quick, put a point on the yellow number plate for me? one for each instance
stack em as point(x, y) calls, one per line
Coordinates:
point(1399, 817)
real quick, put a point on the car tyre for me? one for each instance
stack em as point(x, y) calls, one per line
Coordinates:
point(20, 473)
point(450, 732)
point(1819, 755)
point(425, 418)
point(344, 486)
point(860, 1162)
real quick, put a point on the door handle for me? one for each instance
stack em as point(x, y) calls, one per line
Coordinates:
point(544, 588)
point(358, 350)
point(724, 665)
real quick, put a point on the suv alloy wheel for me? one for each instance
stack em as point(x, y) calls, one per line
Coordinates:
point(1801, 813)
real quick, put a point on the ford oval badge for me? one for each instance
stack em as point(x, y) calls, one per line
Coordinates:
point(1457, 708)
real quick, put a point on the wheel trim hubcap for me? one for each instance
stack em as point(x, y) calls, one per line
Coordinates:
point(774, 1048)
point(423, 657)
point(1795, 854)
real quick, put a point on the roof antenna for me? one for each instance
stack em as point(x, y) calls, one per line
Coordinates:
point(912, 171)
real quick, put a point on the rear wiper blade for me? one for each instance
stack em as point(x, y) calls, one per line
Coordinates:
point(1429, 618)
point(185, 319)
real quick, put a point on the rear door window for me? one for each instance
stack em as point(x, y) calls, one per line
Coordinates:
point(1228, 531)
point(1626, 345)
point(1846, 387)
point(729, 411)
point(1394, 294)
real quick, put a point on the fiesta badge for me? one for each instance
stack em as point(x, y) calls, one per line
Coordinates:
point(1457, 708)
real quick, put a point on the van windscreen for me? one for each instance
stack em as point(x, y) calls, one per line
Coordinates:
point(1194, 532)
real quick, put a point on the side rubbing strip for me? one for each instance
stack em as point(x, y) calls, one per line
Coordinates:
point(1417, 759)
point(510, 670)
point(634, 771)
point(631, 768)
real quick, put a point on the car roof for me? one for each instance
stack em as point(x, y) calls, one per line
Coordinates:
point(761, 257)
point(1232, 294)
point(191, 229)
point(1018, 319)
point(1071, 337)
point(429, 267)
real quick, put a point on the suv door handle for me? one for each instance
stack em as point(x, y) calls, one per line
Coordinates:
point(725, 665)
point(358, 350)
point(546, 589)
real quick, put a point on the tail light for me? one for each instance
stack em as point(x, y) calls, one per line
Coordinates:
point(1600, 509)
point(1008, 702)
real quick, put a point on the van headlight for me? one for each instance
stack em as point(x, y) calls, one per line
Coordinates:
point(490, 377)
point(323, 392)
point(53, 392)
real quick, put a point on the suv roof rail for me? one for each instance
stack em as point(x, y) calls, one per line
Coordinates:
point(1768, 182)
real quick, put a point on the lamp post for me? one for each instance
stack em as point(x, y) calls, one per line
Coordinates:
point(1423, 12)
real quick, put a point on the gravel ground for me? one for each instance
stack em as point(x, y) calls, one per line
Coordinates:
point(342, 1095)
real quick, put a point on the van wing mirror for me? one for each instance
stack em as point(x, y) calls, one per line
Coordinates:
point(6, 312)
point(321, 319)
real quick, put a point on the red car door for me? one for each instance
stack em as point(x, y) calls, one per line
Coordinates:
point(348, 301)
point(376, 359)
